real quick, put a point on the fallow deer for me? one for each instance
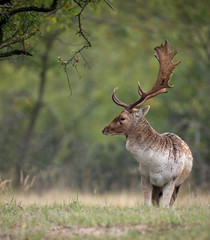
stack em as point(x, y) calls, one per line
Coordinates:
point(165, 159)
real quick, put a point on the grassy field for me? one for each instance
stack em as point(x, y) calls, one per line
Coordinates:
point(59, 215)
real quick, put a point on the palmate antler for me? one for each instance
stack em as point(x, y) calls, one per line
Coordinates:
point(167, 65)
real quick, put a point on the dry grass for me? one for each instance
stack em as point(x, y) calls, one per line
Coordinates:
point(109, 199)
point(122, 199)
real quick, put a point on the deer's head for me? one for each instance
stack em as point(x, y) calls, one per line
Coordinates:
point(125, 122)
point(129, 118)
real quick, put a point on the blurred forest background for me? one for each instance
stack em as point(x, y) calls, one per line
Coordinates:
point(51, 138)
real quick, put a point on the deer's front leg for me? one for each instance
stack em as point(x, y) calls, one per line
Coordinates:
point(146, 187)
point(168, 190)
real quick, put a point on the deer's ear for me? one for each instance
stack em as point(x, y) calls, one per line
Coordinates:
point(143, 111)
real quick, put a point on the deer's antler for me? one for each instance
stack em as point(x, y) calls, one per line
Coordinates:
point(117, 101)
point(167, 65)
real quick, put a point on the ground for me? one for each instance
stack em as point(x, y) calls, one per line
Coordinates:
point(59, 215)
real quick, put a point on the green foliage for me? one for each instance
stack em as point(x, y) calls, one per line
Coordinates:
point(23, 22)
point(67, 147)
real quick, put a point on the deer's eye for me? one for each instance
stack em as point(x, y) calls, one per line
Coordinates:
point(122, 119)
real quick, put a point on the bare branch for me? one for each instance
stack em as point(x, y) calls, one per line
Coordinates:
point(110, 5)
point(87, 44)
point(82, 5)
point(85, 60)
point(78, 3)
point(81, 31)
point(67, 75)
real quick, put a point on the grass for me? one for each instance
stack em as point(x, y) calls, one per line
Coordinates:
point(112, 216)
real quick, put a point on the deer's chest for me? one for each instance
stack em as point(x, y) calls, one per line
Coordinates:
point(149, 157)
point(146, 156)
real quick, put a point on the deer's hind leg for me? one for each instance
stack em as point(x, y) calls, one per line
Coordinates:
point(174, 195)
point(156, 195)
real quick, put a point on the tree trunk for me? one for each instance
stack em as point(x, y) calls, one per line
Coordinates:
point(24, 145)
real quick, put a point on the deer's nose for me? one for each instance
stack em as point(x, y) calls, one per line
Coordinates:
point(103, 131)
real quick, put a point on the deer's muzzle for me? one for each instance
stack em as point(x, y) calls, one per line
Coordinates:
point(104, 131)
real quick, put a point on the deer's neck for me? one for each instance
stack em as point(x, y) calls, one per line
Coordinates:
point(143, 134)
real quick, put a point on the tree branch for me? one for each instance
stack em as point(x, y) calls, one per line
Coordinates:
point(73, 60)
point(12, 11)
point(15, 52)
point(5, 6)
point(87, 44)
point(11, 42)
point(34, 9)
point(81, 31)
point(110, 5)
